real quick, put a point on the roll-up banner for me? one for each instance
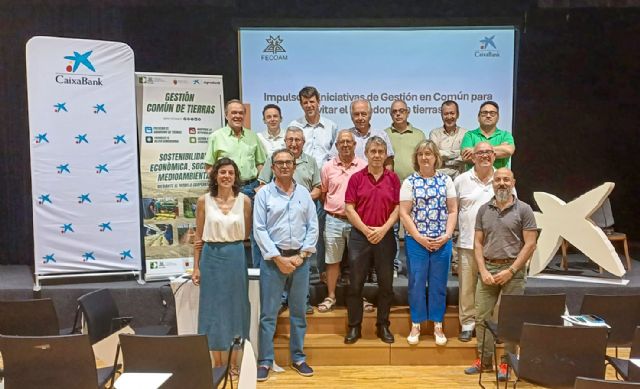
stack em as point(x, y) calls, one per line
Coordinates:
point(84, 172)
point(176, 115)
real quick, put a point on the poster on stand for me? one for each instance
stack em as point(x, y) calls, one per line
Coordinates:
point(176, 115)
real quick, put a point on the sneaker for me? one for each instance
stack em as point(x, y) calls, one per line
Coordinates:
point(477, 366)
point(303, 369)
point(441, 340)
point(310, 310)
point(503, 371)
point(263, 373)
point(414, 335)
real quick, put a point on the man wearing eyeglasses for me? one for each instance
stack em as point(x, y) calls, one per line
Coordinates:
point(502, 141)
point(285, 225)
point(448, 138)
point(404, 137)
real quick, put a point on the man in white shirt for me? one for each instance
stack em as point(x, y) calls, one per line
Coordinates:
point(273, 138)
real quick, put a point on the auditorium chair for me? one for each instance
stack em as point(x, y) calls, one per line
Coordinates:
point(101, 314)
point(42, 362)
point(625, 368)
point(515, 310)
point(592, 383)
point(553, 356)
point(185, 356)
point(29, 318)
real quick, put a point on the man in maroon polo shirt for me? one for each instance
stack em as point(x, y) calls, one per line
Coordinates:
point(371, 205)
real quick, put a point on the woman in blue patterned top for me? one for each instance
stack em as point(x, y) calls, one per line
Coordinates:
point(428, 211)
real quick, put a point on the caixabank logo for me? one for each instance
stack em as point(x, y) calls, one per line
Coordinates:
point(79, 70)
point(488, 47)
point(274, 51)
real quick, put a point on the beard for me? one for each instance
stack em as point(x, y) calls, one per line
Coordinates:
point(503, 195)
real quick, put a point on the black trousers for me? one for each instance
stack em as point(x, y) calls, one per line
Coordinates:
point(362, 254)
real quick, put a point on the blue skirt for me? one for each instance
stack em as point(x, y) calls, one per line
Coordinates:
point(224, 294)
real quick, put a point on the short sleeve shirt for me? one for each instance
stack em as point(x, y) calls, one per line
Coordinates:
point(373, 200)
point(318, 138)
point(306, 174)
point(472, 138)
point(429, 202)
point(334, 178)
point(361, 141)
point(403, 144)
point(246, 151)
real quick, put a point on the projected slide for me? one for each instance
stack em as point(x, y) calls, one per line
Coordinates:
point(424, 67)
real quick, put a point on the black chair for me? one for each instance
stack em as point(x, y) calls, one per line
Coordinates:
point(591, 383)
point(29, 318)
point(185, 356)
point(515, 310)
point(623, 366)
point(65, 361)
point(553, 356)
point(622, 313)
point(101, 313)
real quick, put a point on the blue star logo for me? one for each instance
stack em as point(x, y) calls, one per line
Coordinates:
point(60, 107)
point(488, 41)
point(84, 198)
point(49, 258)
point(67, 228)
point(102, 168)
point(80, 138)
point(125, 254)
point(99, 108)
point(44, 198)
point(196, 82)
point(105, 226)
point(119, 139)
point(120, 197)
point(80, 59)
point(63, 168)
point(41, 138)
point(88, 256)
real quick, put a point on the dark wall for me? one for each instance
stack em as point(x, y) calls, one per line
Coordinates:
point(577, 89)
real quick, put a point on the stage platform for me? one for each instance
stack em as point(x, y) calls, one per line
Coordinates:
point(153, 302)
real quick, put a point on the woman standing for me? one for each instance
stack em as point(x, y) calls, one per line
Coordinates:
point(428, 211)
point(223, 222)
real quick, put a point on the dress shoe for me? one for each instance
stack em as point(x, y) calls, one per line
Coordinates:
point(385, 334)
point(465, 336)
point(353, 335)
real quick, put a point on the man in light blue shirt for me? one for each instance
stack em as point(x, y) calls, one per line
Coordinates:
point(285, 226)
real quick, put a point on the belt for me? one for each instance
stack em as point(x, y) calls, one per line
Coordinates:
point(337, 216)
point(500, 261)
point(288, 253)
point(247, 182)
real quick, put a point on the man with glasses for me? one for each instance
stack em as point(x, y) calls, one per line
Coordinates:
point(306, 174)
point(474, 188)
point(448, 138)
point(404, 137)
point(502, 141)
point(285, 225)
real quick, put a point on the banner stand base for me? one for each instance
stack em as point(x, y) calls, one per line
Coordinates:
point(39, 277)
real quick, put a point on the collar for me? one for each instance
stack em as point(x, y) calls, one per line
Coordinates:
point(480, 132)
point(492, 203)
point(359, 134)
point(408, 129)
point(232, 133)
point(455, 131)
point(474, 176)
point(306, 123)
point(338, 162)
point(272, 137)
point(280, 191)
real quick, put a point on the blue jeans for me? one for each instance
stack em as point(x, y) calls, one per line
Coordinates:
point(432, 267)
point(256, 255)
point(272, 283)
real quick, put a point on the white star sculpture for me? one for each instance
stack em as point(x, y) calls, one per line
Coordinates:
point(572, 222)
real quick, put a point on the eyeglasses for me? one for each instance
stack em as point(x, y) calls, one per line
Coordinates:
point(344, 142)
point(484, 153)
point(489, 113)
point(281, 164)
point(293, 140)
point(401, 110)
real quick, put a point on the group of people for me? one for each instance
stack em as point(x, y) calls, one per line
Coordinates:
point(305, 194)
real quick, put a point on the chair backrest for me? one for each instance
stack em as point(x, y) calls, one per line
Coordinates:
point(591, 383)
point(621, 312)
point(48, 362)
point(186, 356)
point(515, 310)
point(29, 318)
point(99, 309)
point(554, 356)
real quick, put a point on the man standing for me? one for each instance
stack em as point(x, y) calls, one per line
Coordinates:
point(361, 118)
point(448, 138)
point(505, 239)
point(286, 228)
point(404, 138)
point(474, 188)
point(335, 178)
point(244, 148)
point(502, 141)
point(272, 139)
point(371, 205)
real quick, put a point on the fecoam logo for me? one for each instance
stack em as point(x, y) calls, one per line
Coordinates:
point(71, 77)
point(274, 47)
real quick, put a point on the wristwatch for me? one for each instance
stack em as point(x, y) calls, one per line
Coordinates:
point(304, 254)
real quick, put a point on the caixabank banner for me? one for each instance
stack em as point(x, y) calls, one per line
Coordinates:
point(84, 158)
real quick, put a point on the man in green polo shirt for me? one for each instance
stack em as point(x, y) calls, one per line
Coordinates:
point(502, 141)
